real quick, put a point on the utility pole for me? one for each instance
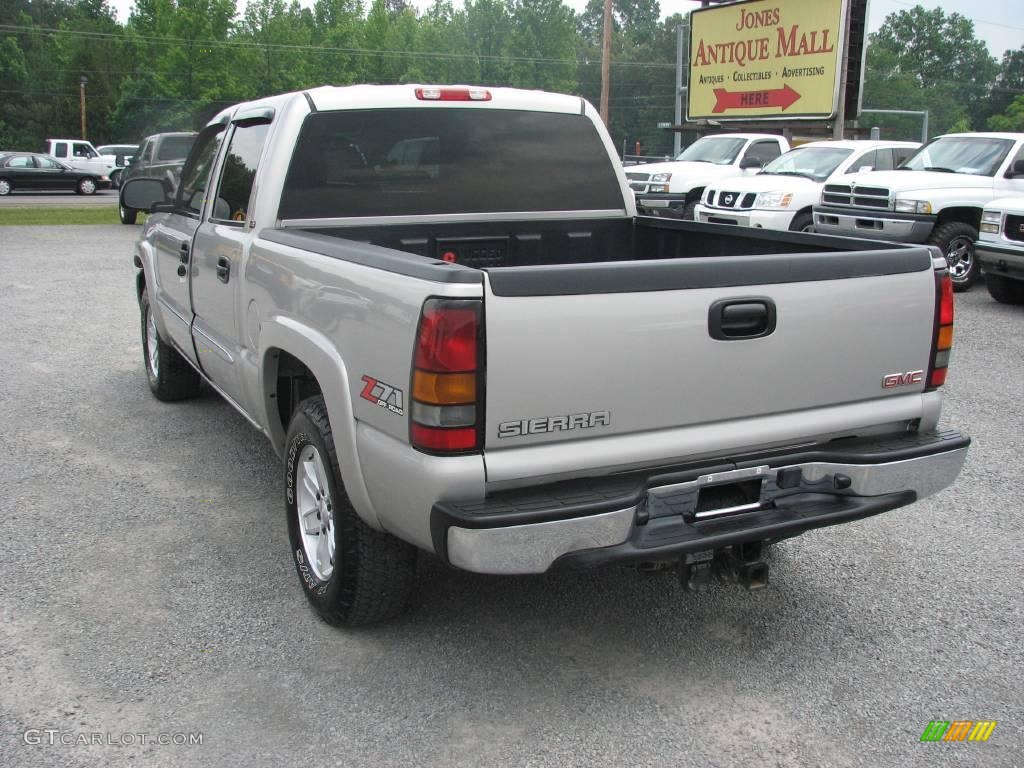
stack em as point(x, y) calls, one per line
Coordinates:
point(839, 126)
point(606, 61)
point(81, 88)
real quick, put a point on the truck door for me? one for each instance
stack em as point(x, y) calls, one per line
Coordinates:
point(221, 242)
point(172, 239)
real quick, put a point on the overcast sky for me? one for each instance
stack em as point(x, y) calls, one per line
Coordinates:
point(998, 35)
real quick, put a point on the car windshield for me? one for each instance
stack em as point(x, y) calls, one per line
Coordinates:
point(975, 155)
point(720, 151)
point(816, 163)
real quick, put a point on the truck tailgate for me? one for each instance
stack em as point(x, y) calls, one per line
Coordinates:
point(582, 352)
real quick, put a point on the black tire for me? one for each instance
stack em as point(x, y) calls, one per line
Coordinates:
point(115, 180)
point(86, 186)
point(690, 211)
point(1004, 289)
point(5, 187)
point(956, 240)
point(802, 222)
point(127, 215)
point(373, 572)
point(173, 378)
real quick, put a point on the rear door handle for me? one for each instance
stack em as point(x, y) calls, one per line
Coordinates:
point(223, 269)
point(750, 317)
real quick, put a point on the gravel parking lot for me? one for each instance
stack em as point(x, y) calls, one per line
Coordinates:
point(146, 588)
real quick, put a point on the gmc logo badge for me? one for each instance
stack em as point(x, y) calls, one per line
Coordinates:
point(891, 380)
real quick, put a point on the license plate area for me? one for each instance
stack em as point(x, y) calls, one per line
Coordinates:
point(713, 496)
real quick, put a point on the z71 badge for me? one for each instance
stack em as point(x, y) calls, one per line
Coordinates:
point(546, 424)
point(383, 395)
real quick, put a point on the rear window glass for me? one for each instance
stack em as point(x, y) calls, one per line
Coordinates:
point(422, 161)
point(175, 147)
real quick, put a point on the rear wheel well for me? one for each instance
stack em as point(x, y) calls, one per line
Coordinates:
point(965, 214)
point(292, 382)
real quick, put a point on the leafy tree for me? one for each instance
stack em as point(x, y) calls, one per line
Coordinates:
point(1012, 119)
point(926, 59)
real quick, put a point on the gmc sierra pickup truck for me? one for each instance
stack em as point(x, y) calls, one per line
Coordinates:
point(514, 375)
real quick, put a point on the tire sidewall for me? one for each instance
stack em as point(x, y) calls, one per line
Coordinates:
point(144, 313)
point(301, 433)
point(81, 184)
point(954, 231)
point(10, 188)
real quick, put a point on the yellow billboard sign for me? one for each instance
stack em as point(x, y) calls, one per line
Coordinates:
point(766, 58)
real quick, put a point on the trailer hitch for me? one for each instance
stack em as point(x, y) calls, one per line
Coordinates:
point(743, 564)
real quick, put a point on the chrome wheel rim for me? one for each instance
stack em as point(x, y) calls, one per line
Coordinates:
point(87, 186)
point(5, 187)
point(152, 354)
point(960, 257)
point(315, 512)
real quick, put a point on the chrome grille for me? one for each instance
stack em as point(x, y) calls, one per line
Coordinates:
point(727, 199)
point(855, 196)
point(1014, 227)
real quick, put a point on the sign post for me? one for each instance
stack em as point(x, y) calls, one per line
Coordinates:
point(766, 59)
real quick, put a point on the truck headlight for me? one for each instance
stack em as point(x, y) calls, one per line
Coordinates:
point(661, 177)
point(658, 188)
point(775, 199)
point(913, 206)
point(990, 221)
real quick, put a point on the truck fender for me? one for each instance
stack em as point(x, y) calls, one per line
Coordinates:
point(318, 354)
point(145, 279)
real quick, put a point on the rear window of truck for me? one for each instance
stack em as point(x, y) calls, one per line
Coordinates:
point(423, 161)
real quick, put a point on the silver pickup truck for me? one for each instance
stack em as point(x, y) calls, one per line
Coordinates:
point(516, 374)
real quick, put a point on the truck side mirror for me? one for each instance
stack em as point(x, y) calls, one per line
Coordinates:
point(145, 195)
point(750, 162)
point(1016, 170)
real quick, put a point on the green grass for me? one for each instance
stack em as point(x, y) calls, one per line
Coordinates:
point(59, 215)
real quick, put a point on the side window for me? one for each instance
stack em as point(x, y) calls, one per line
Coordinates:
point(867, 161)
point(195, 176)
point(45, 162)
point(147, 152)
point(764, 151)
point(900, 155)
point(82, 150)
point(883, 160)
point(1018, 158)
point(21, 162)
point(239, 173)
point(60, 149)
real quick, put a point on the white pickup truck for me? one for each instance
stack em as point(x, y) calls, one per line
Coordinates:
point(674, 188)
point(525, 375)
point(1000, 249)
point(783, 194)
point(83, 156)
point(935, 197)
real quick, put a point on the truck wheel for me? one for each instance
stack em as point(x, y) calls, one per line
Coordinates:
point(127, 215)
point(956, 239)
point(802, 222)
point(115, 180)
point(1004, 290)
point(170, 376)
point(351, 573)
point(5, 187)
point(87, 186)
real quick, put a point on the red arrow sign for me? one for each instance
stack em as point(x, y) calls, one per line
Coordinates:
point(784, 97)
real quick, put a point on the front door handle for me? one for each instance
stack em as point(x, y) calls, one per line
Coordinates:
point(223, 269)
point(183, 253)
point(742, 318)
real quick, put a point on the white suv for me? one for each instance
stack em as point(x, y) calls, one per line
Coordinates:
point(782, 195)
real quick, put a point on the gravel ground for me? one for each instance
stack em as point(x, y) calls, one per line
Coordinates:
point(146, 587)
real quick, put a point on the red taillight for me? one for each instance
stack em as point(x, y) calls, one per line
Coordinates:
point(446, 384)
point(942, 338)
point(453, 94)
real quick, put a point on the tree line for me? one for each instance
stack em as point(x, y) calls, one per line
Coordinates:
point(175, 63)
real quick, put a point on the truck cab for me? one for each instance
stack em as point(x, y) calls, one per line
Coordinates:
point(82, 155)
point(936, 197)
point(674, 188)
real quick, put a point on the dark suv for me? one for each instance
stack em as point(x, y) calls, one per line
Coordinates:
point(160, 156)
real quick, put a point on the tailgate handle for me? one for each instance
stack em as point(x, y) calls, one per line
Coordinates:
point(741, 318)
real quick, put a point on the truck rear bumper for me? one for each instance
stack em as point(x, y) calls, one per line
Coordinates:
point(875, 224)
point(658, 516)
point(1000, 259)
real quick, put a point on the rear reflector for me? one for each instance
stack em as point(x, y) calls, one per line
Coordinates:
point(453, 94)
point(943, 336)
point(446, 383)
